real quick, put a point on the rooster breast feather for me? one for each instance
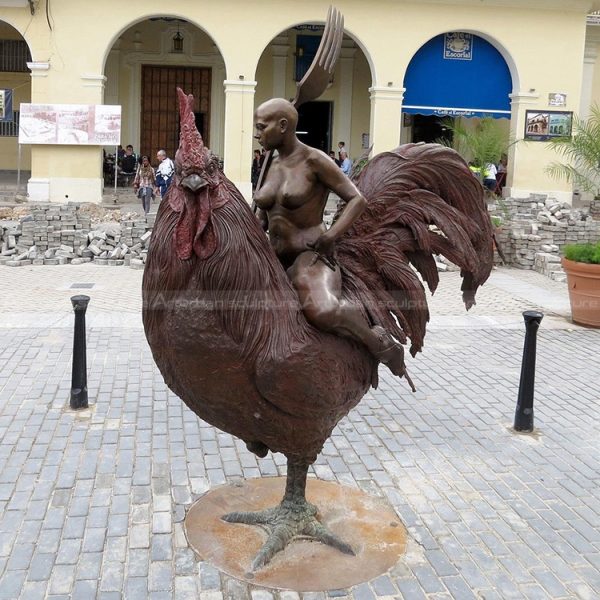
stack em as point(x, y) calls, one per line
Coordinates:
point(422, 200)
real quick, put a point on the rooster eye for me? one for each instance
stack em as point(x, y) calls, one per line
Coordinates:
point(210, 168)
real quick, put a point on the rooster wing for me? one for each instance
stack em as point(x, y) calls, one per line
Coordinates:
point(422, 200)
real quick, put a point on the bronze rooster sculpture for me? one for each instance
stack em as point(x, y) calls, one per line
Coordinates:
point(228, 333)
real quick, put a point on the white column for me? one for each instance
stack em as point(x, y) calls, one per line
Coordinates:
point(516, 179)
point(239, 123)
point(590, 57)
point(589, 66)
point(386, 117)
point(111, 70)
point(91, 80)
point(344, 112)
point(39, 69)
point(38, 186)
point(279, 50)
point(217, 108)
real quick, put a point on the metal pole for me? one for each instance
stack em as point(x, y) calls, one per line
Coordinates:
point(18, 171)
point(79, 392)
point(524, 412)
point(116, 170)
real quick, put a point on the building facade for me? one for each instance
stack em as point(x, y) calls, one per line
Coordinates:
point(403, 64)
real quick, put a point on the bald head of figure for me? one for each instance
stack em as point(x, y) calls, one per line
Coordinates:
point(277, 109)
point(275, 123)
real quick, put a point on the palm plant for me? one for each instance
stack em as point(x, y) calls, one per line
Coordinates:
point(582, 154)
point(483, 144)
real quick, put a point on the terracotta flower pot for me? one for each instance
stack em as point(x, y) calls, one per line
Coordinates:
point(584, 291)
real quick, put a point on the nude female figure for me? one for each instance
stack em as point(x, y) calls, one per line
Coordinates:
point(291, 203)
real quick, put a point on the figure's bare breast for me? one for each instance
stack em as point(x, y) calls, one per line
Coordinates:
point(294, 201)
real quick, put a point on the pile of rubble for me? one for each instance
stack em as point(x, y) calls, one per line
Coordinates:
point(54, 234)
point(115, 245)
point(535, 229)
point(547, 262)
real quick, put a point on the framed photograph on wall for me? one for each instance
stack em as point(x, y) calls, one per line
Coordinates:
point(541, 126)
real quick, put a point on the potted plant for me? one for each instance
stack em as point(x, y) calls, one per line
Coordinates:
point(581, 263)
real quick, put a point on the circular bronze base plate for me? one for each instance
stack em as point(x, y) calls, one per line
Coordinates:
point(367, 523)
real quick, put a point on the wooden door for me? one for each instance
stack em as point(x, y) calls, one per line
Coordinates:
point(160, 109)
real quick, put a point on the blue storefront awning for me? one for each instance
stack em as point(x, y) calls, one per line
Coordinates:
point(458, 74)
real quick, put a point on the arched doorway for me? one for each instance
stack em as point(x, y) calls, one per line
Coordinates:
point(342, 111)
point(15, 88)
point(454, 75)
point(143, 68)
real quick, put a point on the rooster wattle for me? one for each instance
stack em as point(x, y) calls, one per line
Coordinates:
point(226, 328)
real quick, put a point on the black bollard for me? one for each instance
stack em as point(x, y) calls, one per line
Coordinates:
point(524, 412)
point(79, 392)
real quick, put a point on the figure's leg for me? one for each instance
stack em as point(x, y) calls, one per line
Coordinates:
point(320, 291)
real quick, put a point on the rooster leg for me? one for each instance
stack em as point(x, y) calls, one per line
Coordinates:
point(295, 516)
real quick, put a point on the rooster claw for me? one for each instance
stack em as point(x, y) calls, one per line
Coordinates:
point(286, 522)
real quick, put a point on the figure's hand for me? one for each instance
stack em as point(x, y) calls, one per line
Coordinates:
point(323, 248)
point(324, 245)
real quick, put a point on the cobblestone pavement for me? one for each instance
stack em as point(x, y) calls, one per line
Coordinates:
point(39, 296)
point(92, 503)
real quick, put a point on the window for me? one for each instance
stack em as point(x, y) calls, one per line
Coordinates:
point(10, 128)
point(306, 48)
point(14, 56)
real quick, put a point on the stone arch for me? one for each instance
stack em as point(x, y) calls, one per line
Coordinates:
point(140, 52)
point(18, 82)
point(481, 55)
point(347, 33)
point(140, 18)
point(348, 95)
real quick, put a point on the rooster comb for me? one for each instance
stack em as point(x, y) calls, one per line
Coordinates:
point(190, 140)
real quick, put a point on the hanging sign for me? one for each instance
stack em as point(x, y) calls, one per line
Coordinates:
point(309, 27)
point(6, 109)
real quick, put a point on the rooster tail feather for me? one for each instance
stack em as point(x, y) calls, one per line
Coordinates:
point(422, 200)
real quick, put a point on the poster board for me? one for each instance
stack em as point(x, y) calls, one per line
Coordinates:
point(70, 124)
point(544, 125)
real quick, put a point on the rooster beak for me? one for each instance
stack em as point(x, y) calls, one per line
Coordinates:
point(193, 182)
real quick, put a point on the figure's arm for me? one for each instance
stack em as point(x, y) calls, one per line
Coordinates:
point(333, 178)
point(355, 206)
point(263, 219)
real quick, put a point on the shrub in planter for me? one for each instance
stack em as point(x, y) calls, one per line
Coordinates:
point(583, 253)
point(582, 266)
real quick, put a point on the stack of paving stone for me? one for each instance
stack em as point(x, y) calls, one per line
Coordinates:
point(595, 209)
point(45, 236)
point(9, 231)
point(55, 234)
point(547, 262)
point(534, 224)
point(116, 244)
